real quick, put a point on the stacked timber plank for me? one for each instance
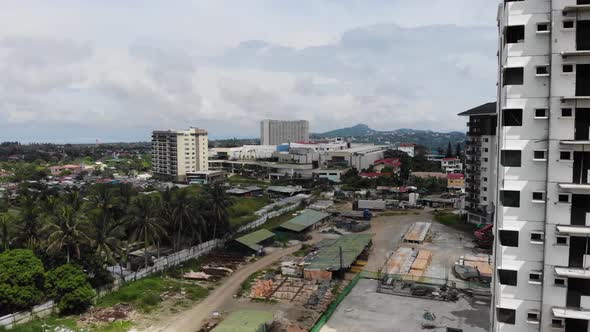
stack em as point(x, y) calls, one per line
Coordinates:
point(419, 265)
point(417, 233)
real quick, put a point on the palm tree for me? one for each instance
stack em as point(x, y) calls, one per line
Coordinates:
point(30, 223)
point(145, 223)
point(104, 227)
point(72, 198)
point(219, 203)
point(65, 230)
point(5, 230)
point(182, 214)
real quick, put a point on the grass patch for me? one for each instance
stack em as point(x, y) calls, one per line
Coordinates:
point(246, 286)
point(49, 323)
point(193, 264)
point(454, 221)
point(145, 294)
point(398, 213)
point(242, 211)
point(238, 179)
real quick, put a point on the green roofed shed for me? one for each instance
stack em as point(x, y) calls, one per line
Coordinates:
point(253, 239)
point(306, 219)
point(243, 321)
point(328, 257)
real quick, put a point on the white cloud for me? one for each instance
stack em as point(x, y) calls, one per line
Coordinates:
point(116, 70)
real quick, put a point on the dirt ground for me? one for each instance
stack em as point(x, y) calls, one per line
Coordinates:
point(448, 245)
point(191, 319)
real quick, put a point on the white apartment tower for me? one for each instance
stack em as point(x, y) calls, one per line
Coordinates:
point(275, 132)
point(542, 249)
point(178, 152)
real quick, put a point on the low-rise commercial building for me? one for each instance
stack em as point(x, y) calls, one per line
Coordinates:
point(408, 148)
point(360, 157)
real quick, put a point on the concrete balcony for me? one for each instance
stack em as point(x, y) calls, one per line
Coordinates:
point(571, 313)
point(577, 8)
point(574, 230)
point(575, 188)
point(575, 53)
point(572, 272)
point(575, 142)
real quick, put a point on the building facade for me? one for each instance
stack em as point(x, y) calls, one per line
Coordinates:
point(452, 165)
point(480, 163)
point(542, 280)
point(178, 152)
point(275, 132)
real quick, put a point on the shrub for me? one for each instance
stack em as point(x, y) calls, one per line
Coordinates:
point(69, 286)
point(76, 301)
point(21, 280)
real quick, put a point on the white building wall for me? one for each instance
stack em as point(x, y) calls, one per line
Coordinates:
point(552, 92)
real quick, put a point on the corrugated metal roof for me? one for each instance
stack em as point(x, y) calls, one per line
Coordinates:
point(251, 240)
point(328, 257)
point(488, 108)
point(243, 321)
point(306, 219)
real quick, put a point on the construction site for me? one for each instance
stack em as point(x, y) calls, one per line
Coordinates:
point(421, 275)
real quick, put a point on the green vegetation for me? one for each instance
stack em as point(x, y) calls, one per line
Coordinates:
point(70, 231)
point(69, 286)
point(22, 278)
point(45, 324)
point(146, 293)
point(242, 211)
point(398, 213)
point(53, 323)
point(455, 221)
point(242, 180)
point(246, 286)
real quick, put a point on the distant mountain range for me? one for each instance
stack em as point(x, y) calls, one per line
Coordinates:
point(363, 134)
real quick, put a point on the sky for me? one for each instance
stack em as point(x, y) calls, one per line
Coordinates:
point(110, 70)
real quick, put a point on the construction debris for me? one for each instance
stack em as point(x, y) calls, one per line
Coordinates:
point(107, 314)
point(196, 275)
point(262, 289)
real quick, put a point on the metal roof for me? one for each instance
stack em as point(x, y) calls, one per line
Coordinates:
point(285, 190)
point(243, 321)
point(251, 240)
point(328, 257)
point(306, 219)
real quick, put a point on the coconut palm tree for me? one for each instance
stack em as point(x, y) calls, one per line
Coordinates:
point(219, 203)
point(6, 221)
point(105, 230)
point(144, 223)
point(182, 215)
point(30, 222)
point(65, 231)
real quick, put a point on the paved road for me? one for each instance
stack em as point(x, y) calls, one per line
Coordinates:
point(191, 320)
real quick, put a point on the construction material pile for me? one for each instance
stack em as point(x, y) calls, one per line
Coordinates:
point(107, 314)
point(262, 289)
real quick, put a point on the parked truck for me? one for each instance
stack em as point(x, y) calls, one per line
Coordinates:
point(365, 204)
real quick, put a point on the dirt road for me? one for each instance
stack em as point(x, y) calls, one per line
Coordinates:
point(190, 320)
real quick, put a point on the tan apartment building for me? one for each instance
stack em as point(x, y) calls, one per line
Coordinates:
point(176, 153)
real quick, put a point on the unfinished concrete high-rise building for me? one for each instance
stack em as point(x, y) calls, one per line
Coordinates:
point(542, 228)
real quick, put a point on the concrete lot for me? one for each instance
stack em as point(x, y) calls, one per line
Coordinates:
point(366, 310)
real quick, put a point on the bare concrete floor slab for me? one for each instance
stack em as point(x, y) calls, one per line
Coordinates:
point(366, 310)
